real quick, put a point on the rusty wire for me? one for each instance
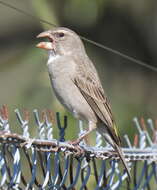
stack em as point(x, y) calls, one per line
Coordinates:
point(47, 163)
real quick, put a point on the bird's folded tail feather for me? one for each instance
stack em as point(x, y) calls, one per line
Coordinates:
point(119, 152)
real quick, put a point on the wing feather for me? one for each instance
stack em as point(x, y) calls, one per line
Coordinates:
point(94, 95)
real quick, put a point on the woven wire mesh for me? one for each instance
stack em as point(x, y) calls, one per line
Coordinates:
point(47, 163)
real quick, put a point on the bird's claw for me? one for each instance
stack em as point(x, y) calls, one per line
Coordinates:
point(75, 142)
point(79, 150)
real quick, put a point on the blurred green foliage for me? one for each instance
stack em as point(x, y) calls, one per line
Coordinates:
point(126, 26)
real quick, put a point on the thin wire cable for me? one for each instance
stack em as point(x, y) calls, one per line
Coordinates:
point(139, 62)
point(116, 52)
point(26, 13)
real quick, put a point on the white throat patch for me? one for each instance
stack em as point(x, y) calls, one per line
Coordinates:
point(52, 57)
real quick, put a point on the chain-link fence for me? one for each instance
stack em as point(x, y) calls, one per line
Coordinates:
point(47, 163)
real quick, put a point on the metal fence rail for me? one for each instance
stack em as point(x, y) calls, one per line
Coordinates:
point(46, 163)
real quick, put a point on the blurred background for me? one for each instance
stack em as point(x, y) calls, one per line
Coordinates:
point(128, 26)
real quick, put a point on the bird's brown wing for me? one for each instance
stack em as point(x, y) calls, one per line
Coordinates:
point(94, 95)
point(91, 89)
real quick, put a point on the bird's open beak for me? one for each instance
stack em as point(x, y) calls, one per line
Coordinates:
point(46, 45)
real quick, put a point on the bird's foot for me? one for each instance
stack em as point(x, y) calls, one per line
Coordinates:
point(78, 150)
point(75, 142)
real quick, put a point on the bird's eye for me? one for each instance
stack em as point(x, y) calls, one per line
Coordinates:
point(60, 35)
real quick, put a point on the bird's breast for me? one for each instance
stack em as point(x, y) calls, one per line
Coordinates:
point(61, 71)
point(61, 66)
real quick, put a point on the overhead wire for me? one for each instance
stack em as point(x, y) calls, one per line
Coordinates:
point(116, 52)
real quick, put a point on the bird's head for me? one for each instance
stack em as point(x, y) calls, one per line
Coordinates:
point(62, 41)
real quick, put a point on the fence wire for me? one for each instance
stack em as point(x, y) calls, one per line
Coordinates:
point(48, 163)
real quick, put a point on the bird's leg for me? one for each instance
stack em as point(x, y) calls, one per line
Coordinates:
point(77, 141)
point(92, 126)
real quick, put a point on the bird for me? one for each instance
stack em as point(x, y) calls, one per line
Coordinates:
point(76, 84)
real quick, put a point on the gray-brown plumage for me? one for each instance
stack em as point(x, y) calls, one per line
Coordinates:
point(77, 86)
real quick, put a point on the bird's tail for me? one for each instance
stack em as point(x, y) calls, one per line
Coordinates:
point(119, 151)
point(121, 156)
